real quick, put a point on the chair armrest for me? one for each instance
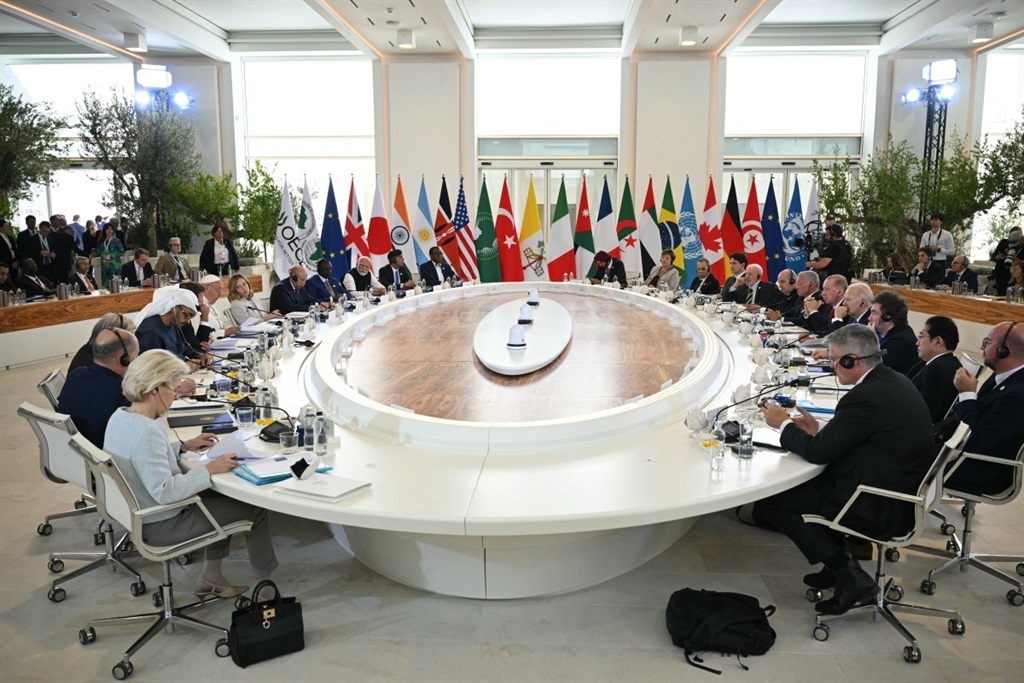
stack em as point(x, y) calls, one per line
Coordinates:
point(964, 457)
point(866, 490)
point(157, 509)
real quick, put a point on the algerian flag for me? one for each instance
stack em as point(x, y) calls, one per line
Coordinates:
point(562, 261)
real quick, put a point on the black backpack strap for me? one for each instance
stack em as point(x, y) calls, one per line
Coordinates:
point(693, 662)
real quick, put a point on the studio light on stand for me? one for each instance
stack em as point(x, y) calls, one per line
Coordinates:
point(940, 76)
point(154, 83)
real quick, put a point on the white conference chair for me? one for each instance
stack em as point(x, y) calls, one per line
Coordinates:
point(116, 501)
point(62, 465)
point(51, 386)
point(890, 594)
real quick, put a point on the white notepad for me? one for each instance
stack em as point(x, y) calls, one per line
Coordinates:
point(321, 487)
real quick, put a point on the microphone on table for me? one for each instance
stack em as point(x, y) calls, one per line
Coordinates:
point(234, 404)
point(773, 387)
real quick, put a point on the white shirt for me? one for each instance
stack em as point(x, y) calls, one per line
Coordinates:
point(220, 252)
point(350, 282)
point(941, 242)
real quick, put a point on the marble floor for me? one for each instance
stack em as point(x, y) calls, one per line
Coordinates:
point(363, 627)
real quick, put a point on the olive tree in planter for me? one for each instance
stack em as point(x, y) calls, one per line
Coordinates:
point(147, 151)
point(259, 203)
point(203, 200)
point(30, 149)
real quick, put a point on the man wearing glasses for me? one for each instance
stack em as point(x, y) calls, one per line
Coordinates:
point(705, 282)
point(159, 325)
point(881, 435)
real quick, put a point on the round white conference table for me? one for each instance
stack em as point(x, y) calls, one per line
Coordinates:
point(515, 509)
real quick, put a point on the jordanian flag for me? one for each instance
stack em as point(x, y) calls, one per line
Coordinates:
point(486, 240)
point(583, 238)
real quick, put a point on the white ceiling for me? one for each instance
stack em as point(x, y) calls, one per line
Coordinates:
point(215, 27)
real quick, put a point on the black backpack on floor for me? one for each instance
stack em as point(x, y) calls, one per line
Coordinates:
point(708, 621)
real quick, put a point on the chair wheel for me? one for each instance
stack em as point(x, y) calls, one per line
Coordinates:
point(87, 635)
point(895, 593)
point(928, 587)
point(950, 546)
point(957, 627)
point(1020, 568)
point(892, 555)
point(222, 649)
point(183, 560)
point(55, 566)
point(1015, 597)
point(138, 588)
point(242, 601)
point(966, 511)
point(158, 599)
point(947, 529)
point(821, 632)
point(44, 529)
point(99, 538)
point(81, 504)
point(912, 654)
point(58, 595)
point(813, 595)
point(122, 670)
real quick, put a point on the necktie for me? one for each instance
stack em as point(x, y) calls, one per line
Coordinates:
point(46, 247)
point(330, 290)
point(181, 270)
point(750, 295)
point(88, 285)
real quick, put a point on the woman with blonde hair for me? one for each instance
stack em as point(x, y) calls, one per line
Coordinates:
point(138, 442)
point(243, 307)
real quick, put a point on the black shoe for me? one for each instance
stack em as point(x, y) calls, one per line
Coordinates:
point(853, 587)
point(822, 580)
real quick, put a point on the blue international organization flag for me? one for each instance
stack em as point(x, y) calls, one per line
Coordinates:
point(793, 230)
point(331, 239)
point(689, 233)
point(775, 248)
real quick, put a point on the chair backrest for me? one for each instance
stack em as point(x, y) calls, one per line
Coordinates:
point(114, 498)
point(930, 490)
point(56, 460)
point(51, 386)
point(1008, 494)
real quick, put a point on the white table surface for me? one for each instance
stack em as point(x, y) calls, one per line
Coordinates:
point(546, 337)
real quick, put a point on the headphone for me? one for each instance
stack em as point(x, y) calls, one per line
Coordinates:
point(1004, 351)
point(887, 317)
point(849, 360)
point(124, 358)
point(295, 278)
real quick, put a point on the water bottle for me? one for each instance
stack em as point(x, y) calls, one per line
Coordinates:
point(320, 434)
point(308, 427)
point(265, 404)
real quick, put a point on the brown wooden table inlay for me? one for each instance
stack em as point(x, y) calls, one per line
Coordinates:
point(424, 361)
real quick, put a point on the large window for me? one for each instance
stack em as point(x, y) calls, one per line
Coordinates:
point(526, 94)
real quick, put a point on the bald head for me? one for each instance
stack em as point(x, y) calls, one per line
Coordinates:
point(297, 276)
point(1010, 335)
point(110, 345)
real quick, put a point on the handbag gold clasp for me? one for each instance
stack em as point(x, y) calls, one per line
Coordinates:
point(268, 614)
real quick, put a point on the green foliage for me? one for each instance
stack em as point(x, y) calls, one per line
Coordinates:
point(887, 198)
point(1002, 170)
point(259, 205)
point(146, 151)
point(30, 149)
point(203, 200)
point(835, 194)
point(955, 192)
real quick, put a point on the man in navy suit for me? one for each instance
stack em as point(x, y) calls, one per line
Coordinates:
point(139, 270)
point(933, 376)
point(880, 436)
point(290, 296)
point(889, 318)
point(705, 282)
point(993, 411)
point(322, 287)
point(960, 272)
point(436, 270)
point(92, 393)
point(396, 274)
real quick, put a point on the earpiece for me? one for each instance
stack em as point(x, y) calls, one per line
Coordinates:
point(1004, 351)
point(887, 317)
point(849, 360)
point(124, 359)
point(295, 278)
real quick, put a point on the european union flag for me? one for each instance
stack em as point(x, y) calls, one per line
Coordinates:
point(774, 247)
point(331, 239)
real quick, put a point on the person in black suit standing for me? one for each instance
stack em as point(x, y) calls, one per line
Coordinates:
point(933, 376)
point(290, 296)
point(396, 274)
point(63, 240)
point(8, 250)
point(760, 294)
point(26, 237)
point(138, 271)
point(218, 255)
point(993, 411)
point(735, 287)
point(41, 248)
point(705, 282)
point(889, 319)
point(436, 270)
point(880, 436)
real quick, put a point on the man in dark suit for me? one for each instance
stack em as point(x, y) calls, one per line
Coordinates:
point(290, 296)
point(92, 393)
point(436, 270)
point(880, 436)
point(705, 282)
point(8, 248)
point(26, 237)
point(930, 272)
point(608, 268)
point(933, 376)
point(960, 272)
point(139, 270)
point(855, 308)
point(63, 240)
point(322, 287)
point(83, 276)
point(6, 283)
point(396, 274)
point(889, 318)
point(791, 305)
point(760, 294)
point(31, 282)
point(818, 313)
point(992, 411)
point(41, 249)
point(735, 287)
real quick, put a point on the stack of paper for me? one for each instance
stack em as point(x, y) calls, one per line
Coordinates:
point(270, 470)
point(321, 487)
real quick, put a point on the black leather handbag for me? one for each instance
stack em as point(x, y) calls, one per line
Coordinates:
point(264, 630)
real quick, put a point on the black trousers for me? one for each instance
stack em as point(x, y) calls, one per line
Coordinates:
point(784, 512)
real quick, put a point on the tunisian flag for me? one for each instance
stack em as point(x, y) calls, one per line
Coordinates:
point(753, 236)
point(509, 255)
point(711, 234)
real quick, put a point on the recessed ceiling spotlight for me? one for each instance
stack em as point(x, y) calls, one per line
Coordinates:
point(982, 32)
point(406, 39)
point(688, 36)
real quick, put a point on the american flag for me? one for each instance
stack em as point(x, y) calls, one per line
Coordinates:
point(466, 265)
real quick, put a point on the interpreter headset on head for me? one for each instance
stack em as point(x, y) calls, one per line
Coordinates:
point(1004, 351)
point(124, 359)
point(849, 360)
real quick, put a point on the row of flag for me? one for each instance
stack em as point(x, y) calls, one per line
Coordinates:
point(492, 249)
